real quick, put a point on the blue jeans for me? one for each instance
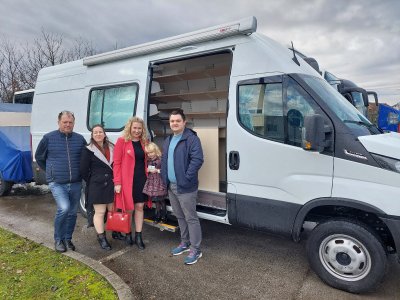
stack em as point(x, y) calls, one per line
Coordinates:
point(67, 196)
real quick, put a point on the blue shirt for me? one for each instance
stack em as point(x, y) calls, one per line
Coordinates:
point(171, 169)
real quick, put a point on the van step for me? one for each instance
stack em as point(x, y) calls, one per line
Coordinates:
point(161, 226)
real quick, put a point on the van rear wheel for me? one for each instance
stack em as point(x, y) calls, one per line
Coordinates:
point(346, 255)
point(5, 186)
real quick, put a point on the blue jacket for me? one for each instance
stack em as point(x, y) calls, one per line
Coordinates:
point(188, 158)
point(59, 155)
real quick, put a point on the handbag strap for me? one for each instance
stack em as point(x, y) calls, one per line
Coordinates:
point(115, 201)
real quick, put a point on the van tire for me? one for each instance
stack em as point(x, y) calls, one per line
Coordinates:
point(346, 255)
point(5, 186)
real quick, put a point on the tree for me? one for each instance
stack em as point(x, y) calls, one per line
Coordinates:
point(19, 66)
point(10, 63)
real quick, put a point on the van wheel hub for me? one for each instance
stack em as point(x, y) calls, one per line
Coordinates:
point(345, 257)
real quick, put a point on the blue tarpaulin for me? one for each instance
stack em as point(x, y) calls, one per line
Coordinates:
point(15, 148)
point(388, 118)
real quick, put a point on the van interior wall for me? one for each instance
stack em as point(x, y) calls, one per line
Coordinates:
point(199, 86)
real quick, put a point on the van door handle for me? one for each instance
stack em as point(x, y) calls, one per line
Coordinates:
point(234, 160)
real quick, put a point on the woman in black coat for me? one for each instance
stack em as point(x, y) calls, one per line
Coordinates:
point(96, 170)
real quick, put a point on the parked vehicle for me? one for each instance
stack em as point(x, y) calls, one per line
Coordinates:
point(281, 146)
point(15, 145)
point(388, 118)
point(356, 95)
point(24, 97)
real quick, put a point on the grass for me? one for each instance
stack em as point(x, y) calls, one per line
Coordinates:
point(31, 271)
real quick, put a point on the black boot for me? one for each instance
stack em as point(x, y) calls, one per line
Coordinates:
point(164, 218)
point(103, 241)
point(129, 239)
point(117, 236)
point(157, 217)
point(163, 212)
point(139, 240)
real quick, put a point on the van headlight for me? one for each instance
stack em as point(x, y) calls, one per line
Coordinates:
point(387, 163)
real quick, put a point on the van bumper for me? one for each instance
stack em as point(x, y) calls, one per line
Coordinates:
point(394, 226)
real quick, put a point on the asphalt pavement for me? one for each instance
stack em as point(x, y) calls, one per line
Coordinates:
point(236, 264)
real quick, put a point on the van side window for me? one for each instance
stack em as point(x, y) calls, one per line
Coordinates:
point(275, 110)
point(112, 106)
point(261, 110)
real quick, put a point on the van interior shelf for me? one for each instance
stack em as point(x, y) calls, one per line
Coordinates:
point(187, 96)
point(192, 75)
point(206, 114)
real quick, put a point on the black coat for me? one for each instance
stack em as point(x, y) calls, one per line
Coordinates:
point(98, 174)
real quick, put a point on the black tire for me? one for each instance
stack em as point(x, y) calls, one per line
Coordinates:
point(82, 201)
point(346, 255)
point(5, 186)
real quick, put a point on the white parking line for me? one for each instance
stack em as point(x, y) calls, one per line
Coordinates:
point(115, 255)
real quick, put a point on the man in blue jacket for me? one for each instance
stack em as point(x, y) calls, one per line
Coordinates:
point(58, 153)
point(181, 160)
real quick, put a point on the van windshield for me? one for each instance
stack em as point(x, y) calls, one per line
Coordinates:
point(343, 109)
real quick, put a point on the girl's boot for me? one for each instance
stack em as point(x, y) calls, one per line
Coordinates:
point(157, 216)
point(164, 212)
point(139, 240)
point(103, 241)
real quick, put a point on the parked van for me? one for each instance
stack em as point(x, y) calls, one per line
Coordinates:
point(356, 95)
point(281, 146)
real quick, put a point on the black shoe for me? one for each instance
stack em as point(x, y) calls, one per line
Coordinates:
point(103, 241)
point(139, 240)
point(69, 244)
point(129, 239)
point(156, 220)
point(59, 246)
point(117, 236)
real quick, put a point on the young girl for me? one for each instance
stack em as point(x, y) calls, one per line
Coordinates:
point(154, 187)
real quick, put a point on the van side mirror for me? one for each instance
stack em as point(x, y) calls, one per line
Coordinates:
point(313, 133)
point(346, 92)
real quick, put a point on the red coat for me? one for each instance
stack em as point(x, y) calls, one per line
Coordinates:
point(124, 166)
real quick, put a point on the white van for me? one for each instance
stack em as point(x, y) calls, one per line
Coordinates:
point(281, 146)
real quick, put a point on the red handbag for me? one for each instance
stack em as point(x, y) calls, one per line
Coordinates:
point(119, 221)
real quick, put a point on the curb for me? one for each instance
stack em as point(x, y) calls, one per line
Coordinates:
point(122, 289)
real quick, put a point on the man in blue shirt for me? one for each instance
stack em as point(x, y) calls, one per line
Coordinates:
point(58, 153)
point(181, 161)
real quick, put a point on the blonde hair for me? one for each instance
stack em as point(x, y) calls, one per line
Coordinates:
point(152, 147)
point(127, 130)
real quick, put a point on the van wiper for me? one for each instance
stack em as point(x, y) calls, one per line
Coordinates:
point(371, 127)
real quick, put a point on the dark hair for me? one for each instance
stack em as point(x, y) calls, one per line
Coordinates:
point(106, 141)
point(65, 112)
point(178, 111)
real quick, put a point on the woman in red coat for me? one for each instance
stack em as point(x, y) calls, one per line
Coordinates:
point(130, 174)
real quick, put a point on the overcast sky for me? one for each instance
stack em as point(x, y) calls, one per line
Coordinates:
point(357, 40)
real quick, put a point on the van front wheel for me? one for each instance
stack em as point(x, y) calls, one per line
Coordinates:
point(82, 201)
point(346, 255)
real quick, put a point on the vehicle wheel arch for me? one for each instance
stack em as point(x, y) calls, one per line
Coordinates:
point(321, 203)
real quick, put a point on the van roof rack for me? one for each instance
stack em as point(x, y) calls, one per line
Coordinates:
point(244, 26)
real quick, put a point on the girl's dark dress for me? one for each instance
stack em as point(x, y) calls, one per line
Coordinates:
point(154, 186)
point(139, 178)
